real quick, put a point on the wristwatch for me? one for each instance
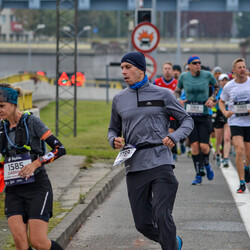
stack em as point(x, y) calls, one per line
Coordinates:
point(212, 98)
point(41, 159)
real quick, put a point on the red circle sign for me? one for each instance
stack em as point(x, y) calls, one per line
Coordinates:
point(145, 37)
point(151, 66)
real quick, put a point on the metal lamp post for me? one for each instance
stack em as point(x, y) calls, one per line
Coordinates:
point(191, 22)
point(84, 29)
point(38, 27)
point(179, 31)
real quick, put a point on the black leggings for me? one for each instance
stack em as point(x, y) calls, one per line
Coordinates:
point(152, 194)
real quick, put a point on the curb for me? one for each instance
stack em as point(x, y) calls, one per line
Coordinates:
point(67, 228)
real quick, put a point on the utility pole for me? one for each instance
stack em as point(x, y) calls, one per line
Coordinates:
point(178, 32)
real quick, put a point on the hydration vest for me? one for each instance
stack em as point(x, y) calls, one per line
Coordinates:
point(22, 139)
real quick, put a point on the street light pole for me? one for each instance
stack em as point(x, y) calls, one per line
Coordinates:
point(191, 22)
point(84, 29)
point(29, 49)
point(38, 27)
point(154, 53)
point(178, 33)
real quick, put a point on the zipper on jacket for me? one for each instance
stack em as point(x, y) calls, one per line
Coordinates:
point(137, 95)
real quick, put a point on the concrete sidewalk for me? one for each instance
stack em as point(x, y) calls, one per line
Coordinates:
point(79, 190)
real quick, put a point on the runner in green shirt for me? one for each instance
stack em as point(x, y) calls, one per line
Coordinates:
point(197, 84)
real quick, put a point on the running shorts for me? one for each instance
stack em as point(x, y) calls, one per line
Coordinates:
point(202, 129)
point(212, 119)
point(241, 131)
point(220, 120)
point(32, 200)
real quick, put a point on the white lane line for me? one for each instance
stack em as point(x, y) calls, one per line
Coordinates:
point(242, 200)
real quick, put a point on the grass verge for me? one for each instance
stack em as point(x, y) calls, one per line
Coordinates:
point(92, 127)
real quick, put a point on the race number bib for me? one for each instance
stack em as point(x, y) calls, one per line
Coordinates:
point(194, 108)
point(126, 152)
point(241, 108)
point(12, 167)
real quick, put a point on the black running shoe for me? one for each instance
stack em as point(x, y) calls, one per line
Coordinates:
point(242, 188)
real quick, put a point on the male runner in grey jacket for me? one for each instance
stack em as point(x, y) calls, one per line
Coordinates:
point(140, 117)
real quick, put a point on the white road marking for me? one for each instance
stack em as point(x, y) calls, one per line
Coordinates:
point(242, 200)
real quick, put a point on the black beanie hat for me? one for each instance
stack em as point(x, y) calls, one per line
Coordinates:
point(135, 58)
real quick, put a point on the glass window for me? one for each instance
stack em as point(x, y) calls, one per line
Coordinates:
point(12, 18)
point(3, 19)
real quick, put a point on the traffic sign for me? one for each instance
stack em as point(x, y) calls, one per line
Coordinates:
point(145, 37)
point(151, 66)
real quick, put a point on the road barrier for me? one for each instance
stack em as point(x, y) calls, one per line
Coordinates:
point(25, 102)
point(113, 84)
point(25, 77)
point(40, 87)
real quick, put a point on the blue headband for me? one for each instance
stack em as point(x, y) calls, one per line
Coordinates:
point(192, 58)
point(8, 95)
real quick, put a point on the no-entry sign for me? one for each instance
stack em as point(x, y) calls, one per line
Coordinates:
point(151, 66)
point(145, 37)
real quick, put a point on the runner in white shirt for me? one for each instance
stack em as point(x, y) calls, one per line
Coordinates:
point(237, 93)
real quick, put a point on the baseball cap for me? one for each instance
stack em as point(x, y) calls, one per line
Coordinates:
point(222, 76)
point(192, 58)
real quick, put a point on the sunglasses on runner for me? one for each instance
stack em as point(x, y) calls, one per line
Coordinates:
point(196, 62)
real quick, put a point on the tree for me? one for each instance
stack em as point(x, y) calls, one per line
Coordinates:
point(105, 21)
point(243, 20)
point(31, 18)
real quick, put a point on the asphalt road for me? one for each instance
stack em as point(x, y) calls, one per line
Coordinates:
point(207, 217)
point(111, 227)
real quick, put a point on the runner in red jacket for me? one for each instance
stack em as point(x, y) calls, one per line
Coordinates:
point(168, 81)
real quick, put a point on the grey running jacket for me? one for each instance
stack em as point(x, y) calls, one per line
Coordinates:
point(142, 117)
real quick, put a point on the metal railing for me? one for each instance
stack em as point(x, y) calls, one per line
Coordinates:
point(26, 77)
point(114, 84)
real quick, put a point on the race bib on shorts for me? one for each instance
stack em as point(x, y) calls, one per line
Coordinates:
point(126, 152)
point(12, 167)
point(195, 108)
point(241, 108)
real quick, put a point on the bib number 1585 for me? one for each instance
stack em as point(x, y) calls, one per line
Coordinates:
point(15, 166)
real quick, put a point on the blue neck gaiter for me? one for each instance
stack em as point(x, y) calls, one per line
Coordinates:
point(137, 85)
